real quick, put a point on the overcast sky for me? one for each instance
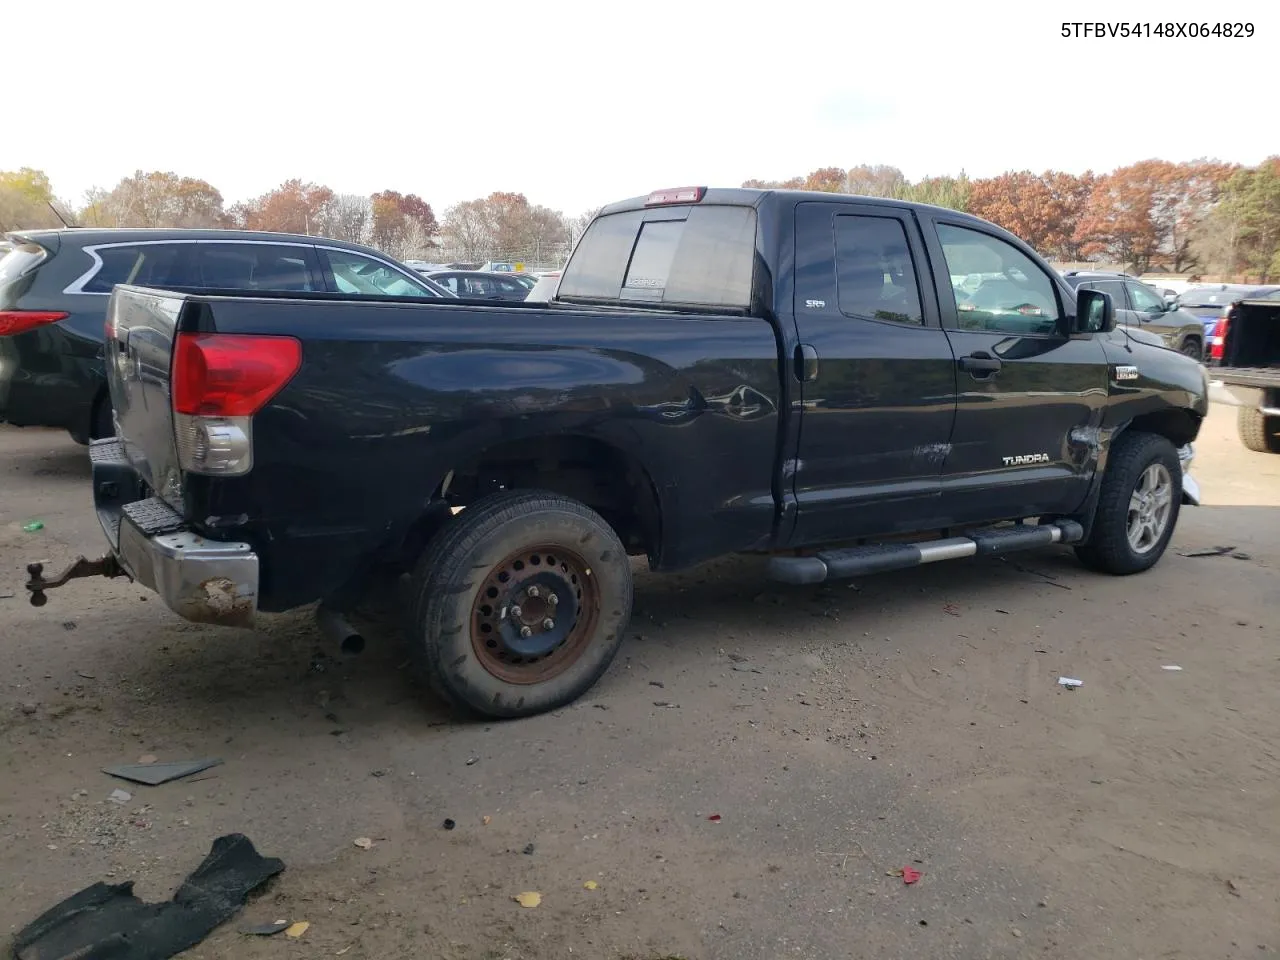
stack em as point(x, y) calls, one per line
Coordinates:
point(576, 105)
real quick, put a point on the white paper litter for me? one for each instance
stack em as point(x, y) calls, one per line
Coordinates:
point(1171, 666)
point(1070, 682)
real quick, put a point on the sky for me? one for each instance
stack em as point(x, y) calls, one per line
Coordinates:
point(580, 104)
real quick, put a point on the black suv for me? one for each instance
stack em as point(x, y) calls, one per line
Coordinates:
point(1142, 306)
point(54, 286)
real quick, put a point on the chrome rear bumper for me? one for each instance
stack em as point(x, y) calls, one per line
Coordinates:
point(1190, 488)
point(202, 580)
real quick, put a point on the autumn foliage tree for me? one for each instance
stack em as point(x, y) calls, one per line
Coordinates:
point(1041, 208)
point(401, 224)
point(25, 199)
point(156, 199)
point(293, 207)
point(502, 225)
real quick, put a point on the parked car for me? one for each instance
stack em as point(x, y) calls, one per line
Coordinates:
point(1141, 305)
point(721, 371)
point(545, 287)
point(54, 286)
point(1210, 302)
point(1244, 357)
point(480, 285)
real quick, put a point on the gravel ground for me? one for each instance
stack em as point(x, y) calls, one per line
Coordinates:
point(747, 781)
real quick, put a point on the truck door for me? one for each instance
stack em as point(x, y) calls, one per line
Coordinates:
point(1030, 397)
point(874, 371)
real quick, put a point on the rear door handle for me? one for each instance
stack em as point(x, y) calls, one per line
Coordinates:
point(980, 364)
point(806, 361)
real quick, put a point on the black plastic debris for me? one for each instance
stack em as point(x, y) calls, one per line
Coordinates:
point(107, 921)
point(265, 929)
point(154, 774)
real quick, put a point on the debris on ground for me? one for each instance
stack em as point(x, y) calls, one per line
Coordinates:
point(591, 885)
point(108, 920)
point(30, 708)
point(1233, 887)
point(68, 624)
point(1241, 555)
point(1212, 552)
point(714, 818)
point(529, 899)
point(265, 929)
point(1070, 682)
point(486, 819)
point(910, 875)
point(148, 758)
point(528, 849)
point(951, 608)
point(364, 843)
point(471, 761)
point(33, 526)
point(1005, 612)
point(120, 796)
point(297, 929)
point(657, 683)
point(153, 774)
point(1171, 666)
point(86, 675)
point(448, 823)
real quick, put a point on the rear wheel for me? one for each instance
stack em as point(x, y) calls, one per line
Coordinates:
point(1193, 349)
point(1258, 432)
point(519, 604)
point(1137, 507)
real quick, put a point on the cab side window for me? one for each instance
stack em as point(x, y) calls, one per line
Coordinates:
point(1144, 299)
point(1012, 294)
point(875, 275)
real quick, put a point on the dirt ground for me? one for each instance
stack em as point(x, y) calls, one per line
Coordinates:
point(840, 734)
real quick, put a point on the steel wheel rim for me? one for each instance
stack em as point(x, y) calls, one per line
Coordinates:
point(534, 614)
point(1150, 506)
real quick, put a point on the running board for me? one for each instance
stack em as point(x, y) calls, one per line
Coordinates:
point(882, 557)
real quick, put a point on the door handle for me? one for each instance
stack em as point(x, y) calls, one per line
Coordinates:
point(806, 362)
point(981, 364)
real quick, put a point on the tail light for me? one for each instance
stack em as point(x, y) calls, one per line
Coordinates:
point(219, 382)
point(1218, 341)
point(20, 321)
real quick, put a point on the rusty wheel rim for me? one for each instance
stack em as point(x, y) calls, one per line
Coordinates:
point(535, 614)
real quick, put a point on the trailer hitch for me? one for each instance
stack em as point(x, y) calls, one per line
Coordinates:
point(105, 566)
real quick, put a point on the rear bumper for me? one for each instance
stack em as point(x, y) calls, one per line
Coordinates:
point(202, 580)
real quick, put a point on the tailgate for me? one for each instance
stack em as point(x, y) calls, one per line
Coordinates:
point(140, 330)
point(1253, 335)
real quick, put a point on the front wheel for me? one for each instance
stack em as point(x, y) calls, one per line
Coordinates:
point(519, 604)
point(1192, 349)
point(1137, 507)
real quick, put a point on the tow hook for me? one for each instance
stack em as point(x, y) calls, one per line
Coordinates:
point(106, 566)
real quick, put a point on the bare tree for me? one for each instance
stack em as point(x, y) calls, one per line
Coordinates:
point(346, 217)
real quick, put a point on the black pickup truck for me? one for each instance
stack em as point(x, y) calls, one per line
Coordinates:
point(1244, 361)
point(842, 384)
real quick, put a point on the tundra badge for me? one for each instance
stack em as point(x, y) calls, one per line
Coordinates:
point(1126, 372)
point(1025, 459)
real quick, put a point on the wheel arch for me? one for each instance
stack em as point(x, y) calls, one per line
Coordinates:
point(597, 472)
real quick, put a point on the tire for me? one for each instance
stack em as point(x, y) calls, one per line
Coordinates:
point(1258, 432)
point(1192, 348)
point(1110, 549)
point(492, 559)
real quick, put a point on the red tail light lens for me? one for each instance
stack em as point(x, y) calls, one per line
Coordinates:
point(20, 321)
point(1219, 339)
point(221, 375)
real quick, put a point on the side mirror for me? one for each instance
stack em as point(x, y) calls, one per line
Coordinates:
point(1095, 312)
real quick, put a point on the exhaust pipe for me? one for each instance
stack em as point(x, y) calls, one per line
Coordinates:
point(335, 627)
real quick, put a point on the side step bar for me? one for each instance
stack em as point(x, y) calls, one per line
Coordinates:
point(881, 557)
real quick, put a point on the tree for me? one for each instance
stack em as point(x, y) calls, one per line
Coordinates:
point(25, 196)
point(952, 192)
point(827, 180)
point(1042, 209)
point(347, 217)
point(156, 199)
point(874, 181)
point(400, 221)
point(1185, 193)
point(1247, 219)
point(1116, 222)
point(293, 207)
point(466, 229)
point(578, 225)
point(505, 224)
point(795, 183)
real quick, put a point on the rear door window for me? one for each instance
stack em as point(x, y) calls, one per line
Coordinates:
point(356, 273)
point(695, 256)
point(253, 266)
point(875, 275)
point(144, 264)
